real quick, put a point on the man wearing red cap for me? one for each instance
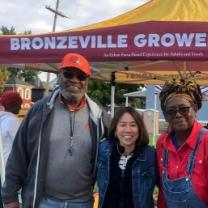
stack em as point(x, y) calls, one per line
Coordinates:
point(54, 155)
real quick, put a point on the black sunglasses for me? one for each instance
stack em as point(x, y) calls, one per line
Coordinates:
point(183, 110)
point(71, 74)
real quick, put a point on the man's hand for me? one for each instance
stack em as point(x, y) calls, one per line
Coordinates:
point(12, 205)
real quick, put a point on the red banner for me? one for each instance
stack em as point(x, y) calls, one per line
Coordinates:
point(140, 41)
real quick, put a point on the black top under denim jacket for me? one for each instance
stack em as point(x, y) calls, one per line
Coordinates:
point(141, 176)
point(119, 192)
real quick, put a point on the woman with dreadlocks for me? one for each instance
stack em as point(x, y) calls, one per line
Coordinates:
point(182, 152)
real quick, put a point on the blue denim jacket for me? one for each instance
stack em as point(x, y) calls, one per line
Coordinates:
point(144, 175)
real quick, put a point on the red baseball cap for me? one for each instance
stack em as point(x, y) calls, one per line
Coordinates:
point(75, 60)
point(10, 99)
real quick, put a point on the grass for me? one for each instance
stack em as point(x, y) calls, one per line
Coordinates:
point(152, 140)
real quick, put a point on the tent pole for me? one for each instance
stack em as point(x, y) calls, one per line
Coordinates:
point(154, 119)
point(112, 99)
point(113, 86)
point(127, 101)
point(155, 101)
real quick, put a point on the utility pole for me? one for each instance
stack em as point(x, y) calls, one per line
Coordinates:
point(56, 13)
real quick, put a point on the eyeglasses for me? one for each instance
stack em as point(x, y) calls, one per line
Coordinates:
point(183, 110)
point(79, 75)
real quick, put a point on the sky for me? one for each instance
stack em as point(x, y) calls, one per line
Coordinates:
point(25, 15)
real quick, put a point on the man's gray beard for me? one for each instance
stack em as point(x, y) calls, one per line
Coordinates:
point(71, 99)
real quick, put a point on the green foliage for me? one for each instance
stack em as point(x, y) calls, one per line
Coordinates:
point(29, 76)
point(7, 31)
point(28, 32)
point(137, 102)
point(126, 88)
point(11, 31)
point(101, 92)
point(4, 74)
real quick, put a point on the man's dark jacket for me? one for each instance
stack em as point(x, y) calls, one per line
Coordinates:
point(26, 165)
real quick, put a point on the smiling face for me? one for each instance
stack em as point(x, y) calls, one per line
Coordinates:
point(73, 84)
point(180, 113)
point(127, 132)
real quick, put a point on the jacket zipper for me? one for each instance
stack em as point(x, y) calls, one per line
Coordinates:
point(133, 181)
point(122, 187)
point(122, 182)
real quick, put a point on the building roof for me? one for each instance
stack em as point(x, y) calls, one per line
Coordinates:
point(17, 81)
point(135, 94)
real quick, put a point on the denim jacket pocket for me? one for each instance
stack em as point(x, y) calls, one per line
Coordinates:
point(143, 185)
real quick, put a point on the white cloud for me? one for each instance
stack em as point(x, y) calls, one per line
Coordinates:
point(32, 15)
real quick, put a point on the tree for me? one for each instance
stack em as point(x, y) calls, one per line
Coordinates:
point(11, 31)
point(28, 32)
point(28, 75)
point(7, 31)
point(101, 92)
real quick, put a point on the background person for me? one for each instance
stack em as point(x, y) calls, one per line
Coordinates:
point(182, 153)
point(126, 164)
point(9, 122)
point(54, 154)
